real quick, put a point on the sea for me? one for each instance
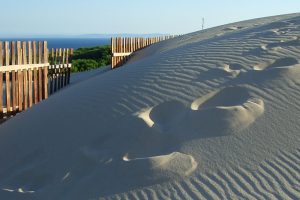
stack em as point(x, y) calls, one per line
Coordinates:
point(66, 42)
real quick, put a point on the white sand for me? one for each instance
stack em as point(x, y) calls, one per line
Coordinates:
point(208, 115)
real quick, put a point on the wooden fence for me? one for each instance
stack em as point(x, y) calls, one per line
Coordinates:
point(123, 47)
point(59, 69)
point(25, 72)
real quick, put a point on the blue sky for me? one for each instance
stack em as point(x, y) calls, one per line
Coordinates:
point(72, 17)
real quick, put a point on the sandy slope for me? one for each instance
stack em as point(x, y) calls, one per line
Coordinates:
point(208, 115)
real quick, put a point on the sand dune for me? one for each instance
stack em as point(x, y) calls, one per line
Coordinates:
point(208, 115)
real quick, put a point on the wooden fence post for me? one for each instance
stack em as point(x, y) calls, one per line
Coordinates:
point(1, 54)
point(40, 71)
point(7, 76)
point(1, 80)
point(45, 70)
point(29, 74)
point(1, 92)
point(25, 82)
point(69, 68)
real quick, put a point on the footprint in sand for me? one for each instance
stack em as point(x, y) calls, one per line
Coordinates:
point(232, 28)
point(173, 165)
point(219, 34)
point(294, 21)
point(233, 69)
point(287, 68)
point(294, 41)
point(258, 51)
point(275, 25)
point(218, 113)
point(264, 34)
point(265, 48)
point(287, 61)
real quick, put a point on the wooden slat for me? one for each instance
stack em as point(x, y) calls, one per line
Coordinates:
point(21, 57)
point(30, 100)
point(25, 85)
point(7, 83)
point(40, 83)
point(13, 52)
point(29, 74)
point(21, 66)
point(119, 45)
point(124, 45)
point(58, 77)
point(56, 57)
point(62, 76)
point(45, 52)
point(6, 44)
point(20, 88)
point(29, 52)
point(122, 54)
point(40, 52)
point(60, 56)
point(69, 68)
point(1, 93)
point(17, 88)
point(68, 75)
point(67, 56)
point(64, 56)
point(19, 53)
point(52, 56)
point(45, 82)
point(50, 80)
point(65, 76)
point(34, 52)
point(35, 85)
point(112, 45)
point(55, 77)
point(20, 75)
point(24, 52)
point(1, 54)
point(13, 86)
point(45, 71)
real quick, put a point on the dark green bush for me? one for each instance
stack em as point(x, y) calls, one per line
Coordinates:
point(80, 65)
point(90, 58)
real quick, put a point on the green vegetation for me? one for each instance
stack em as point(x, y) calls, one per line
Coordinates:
point(90, 58)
